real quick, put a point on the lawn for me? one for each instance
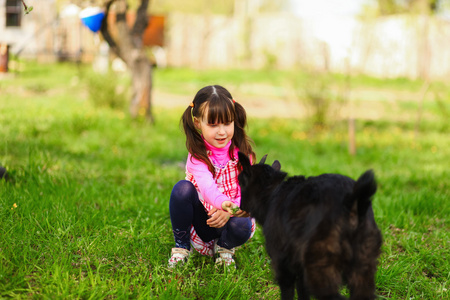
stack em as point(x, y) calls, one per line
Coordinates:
point(84, 213)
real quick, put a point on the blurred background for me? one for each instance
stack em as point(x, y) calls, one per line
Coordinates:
point(330, 86)
point(318, 58)
point(383, 38)
point(378, 38)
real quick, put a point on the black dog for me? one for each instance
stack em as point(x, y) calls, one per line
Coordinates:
point(320, 231)
point(3, 173)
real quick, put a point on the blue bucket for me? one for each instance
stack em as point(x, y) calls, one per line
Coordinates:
point(92, 18)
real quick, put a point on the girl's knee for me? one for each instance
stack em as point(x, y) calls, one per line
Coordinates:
point(242, 222)
point(241, 227)
point(182, 189)
point(184, 184)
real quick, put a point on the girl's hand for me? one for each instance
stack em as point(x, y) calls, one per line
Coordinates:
point(234, 209)
point(218, 218)
point(229, 206)
point(241, 214)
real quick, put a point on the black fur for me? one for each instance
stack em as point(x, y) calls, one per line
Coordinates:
point(3, 173)
point(320, 231)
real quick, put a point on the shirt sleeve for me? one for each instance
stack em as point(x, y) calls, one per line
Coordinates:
point(205, 182)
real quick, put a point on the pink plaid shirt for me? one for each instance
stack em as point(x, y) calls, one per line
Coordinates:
point(226, 179)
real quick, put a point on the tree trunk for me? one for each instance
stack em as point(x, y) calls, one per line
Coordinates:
point(130, 49)
point(141, 75)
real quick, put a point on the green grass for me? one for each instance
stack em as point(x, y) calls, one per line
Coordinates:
point(92, 188)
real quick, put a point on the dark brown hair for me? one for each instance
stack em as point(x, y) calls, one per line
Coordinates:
point(221, 109)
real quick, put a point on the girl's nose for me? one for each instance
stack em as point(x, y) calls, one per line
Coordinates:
point(221, 129)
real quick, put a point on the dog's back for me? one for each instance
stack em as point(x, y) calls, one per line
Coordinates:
point(320, 232)
point(322, 229)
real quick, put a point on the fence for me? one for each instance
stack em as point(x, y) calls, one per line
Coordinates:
point(400, 46)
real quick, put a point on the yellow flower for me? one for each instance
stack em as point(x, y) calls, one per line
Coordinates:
point(14, 206)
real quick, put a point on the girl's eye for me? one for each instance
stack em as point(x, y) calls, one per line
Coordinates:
point(217, 124)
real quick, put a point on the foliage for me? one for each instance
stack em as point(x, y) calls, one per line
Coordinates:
point(85, 211)
point(320, 94)
point(223, 7)
point(390, 7)
point(26, 9)
point(107, 90)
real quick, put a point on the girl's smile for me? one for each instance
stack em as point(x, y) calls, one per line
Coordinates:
point(217, 134)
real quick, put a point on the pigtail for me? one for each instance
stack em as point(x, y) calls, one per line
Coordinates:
point(192, 136)
point(194, 141)
point(241, 140)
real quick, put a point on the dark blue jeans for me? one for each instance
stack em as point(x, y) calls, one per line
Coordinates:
point(186, 210)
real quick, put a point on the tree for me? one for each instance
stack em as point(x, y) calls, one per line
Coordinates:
point(390, 7)
point(129, 47)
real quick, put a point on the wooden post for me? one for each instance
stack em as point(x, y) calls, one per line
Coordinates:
point(4, 58)
point(423, 92)
point(351, 136)
point(351, 119)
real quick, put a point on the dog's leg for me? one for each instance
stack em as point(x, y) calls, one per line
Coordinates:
point(366, 249)
point(302, 291)
point(323, 272)
point(286, 281)
point(361, 284)
point(287, 288)
point(361, 280)
point(324, 283)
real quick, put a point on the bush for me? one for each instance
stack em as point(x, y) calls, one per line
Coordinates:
point(105, 90)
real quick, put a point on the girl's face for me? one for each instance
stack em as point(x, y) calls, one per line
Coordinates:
point(217, 134)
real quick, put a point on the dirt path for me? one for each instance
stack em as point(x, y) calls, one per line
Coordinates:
point(267, 107)
point(255, 106)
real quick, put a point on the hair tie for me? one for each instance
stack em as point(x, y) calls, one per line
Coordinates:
point(234, 101)
point(191, 104)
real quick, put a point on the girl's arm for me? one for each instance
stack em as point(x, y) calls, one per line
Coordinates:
point(205, 181)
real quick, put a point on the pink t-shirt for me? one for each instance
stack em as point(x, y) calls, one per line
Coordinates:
point(206, 183)
point(213, 190)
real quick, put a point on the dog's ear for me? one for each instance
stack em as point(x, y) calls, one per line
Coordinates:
point(243, 159)
point(263, 160)
point(246, 169)
point(276, 165)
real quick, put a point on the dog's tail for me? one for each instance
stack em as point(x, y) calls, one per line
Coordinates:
point(365, 187)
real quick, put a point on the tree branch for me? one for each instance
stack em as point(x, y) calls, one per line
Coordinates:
point(141, 22)
point(27, 9)
point(105, 32)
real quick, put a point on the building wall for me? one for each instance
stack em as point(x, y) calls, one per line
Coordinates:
point(400, 46)
point(35, 35)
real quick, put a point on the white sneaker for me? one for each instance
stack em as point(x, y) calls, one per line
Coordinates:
point(224, 256)
point(179, 257)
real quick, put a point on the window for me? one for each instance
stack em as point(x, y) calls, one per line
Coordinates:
point(13, 12)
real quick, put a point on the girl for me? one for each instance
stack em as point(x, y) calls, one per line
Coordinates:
point(201, 207)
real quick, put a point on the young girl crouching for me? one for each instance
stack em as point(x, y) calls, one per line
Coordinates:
point(201, 206)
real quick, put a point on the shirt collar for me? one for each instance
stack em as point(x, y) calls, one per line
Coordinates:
point(217, 151)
